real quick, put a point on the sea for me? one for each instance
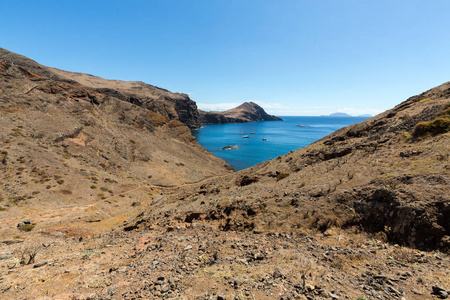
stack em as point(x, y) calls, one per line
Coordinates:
point(280, 137)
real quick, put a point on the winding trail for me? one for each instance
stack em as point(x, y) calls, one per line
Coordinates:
point(74, 214)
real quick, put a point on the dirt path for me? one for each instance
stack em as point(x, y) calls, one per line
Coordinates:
point(68, 213)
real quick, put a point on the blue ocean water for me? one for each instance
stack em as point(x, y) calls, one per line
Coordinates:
point(281, 137)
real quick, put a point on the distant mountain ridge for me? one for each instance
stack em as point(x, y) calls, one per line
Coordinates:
point(344, 115)
point(244, 113)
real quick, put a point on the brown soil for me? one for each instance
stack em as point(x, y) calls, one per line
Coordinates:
point(102, 198)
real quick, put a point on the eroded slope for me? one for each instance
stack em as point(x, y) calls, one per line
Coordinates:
point(388, 175)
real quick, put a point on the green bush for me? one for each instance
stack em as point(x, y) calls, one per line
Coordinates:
point(27, 227)
point(437, 126)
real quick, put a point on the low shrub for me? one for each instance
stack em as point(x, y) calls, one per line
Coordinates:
point(27, 227)
point(437, 126)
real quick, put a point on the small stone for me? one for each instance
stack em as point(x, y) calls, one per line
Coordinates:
point(437, 289)
point(333, 296)
point(235, 283)
point(24, 222)
point(310, 287)
point(417, 292)
point(440, 292)
point(165, 288)
point(220, 297)
point(188, 247)
point(40, 264)
point(277, 274)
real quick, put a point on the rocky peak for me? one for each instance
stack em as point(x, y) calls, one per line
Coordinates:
point(246, 112)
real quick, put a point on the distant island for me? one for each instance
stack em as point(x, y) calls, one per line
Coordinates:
point(244, 113)
point(344, 115)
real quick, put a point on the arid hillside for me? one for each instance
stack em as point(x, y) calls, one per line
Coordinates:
point(388, 175)
point(63, 143)
point(104, 194)
point(173, 106)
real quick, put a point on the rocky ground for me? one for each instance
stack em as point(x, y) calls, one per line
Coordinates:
point(197, 261)
point(104, 197)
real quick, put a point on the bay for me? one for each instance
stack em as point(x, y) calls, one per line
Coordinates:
point(281, 137)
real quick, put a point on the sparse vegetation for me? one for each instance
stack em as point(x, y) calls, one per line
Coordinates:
point(28, 253)
point(438, 126)
point(406, 136)
point(27, 227)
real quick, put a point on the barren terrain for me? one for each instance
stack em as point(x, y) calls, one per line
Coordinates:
point(104, 197)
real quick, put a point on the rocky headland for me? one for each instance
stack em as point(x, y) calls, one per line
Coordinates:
point(244, 113)
point(105, 194)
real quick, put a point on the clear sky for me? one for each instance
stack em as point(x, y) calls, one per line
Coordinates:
point(294, 57)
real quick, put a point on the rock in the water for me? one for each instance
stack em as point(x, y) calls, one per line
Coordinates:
point(231, 147)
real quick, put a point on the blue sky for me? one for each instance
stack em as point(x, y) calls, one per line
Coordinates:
point(294, 57)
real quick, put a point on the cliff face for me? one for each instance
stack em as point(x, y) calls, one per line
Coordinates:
point(172, 106)
point(246, 112)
